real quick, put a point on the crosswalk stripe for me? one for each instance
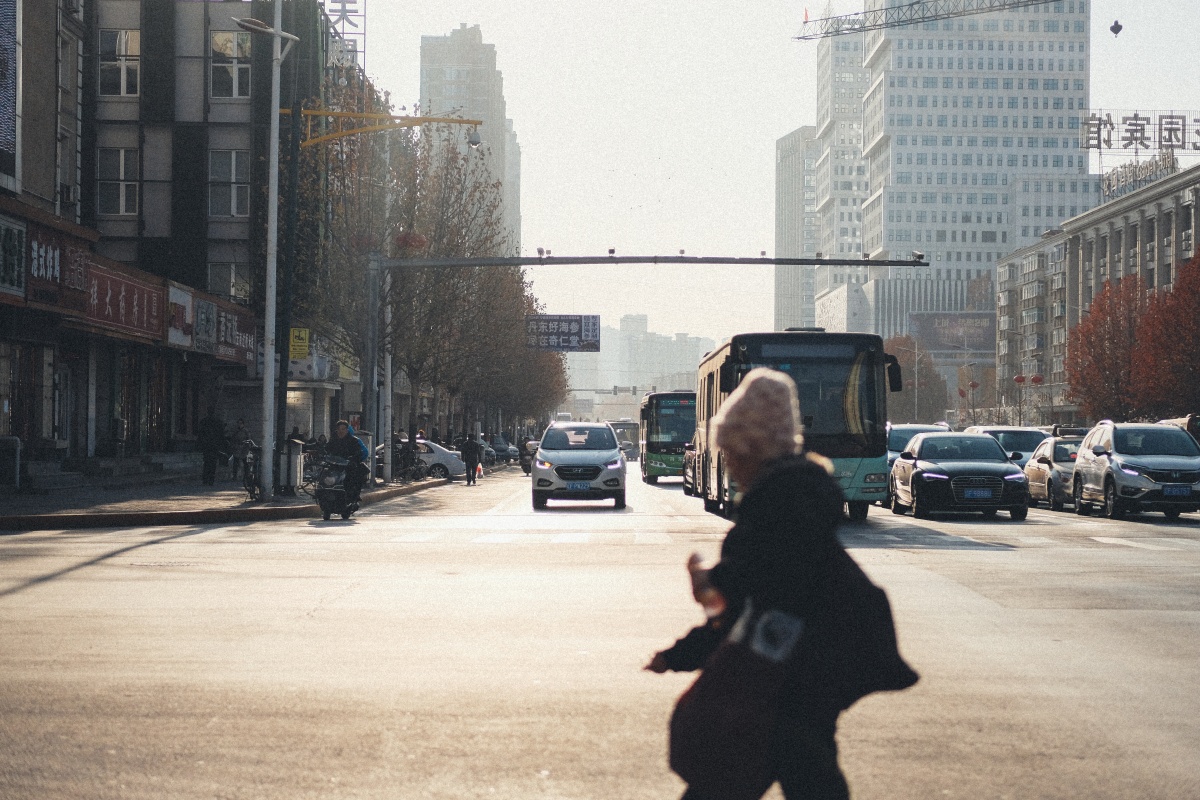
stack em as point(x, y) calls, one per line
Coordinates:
point(652, 537)
point(1130, 543)
point(1187, 543)
point(575, 537)
point(423, 536)
point(1034, 540)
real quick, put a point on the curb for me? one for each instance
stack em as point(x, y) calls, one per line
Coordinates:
point(206, 516)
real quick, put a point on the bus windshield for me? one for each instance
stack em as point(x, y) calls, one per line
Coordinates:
point(839, 397)
point(670, 423)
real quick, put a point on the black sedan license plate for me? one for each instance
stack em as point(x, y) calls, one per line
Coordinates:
point(579, 486)
point(977, 494)
point(1177, 491)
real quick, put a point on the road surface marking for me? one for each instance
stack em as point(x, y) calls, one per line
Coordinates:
point(1184, 542)
point(652, 537)
point(1130, 543)
point(1034, 540)
point(424, 536)
point(575, 537)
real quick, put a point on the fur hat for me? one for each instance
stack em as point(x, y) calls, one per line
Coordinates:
point(761, 419)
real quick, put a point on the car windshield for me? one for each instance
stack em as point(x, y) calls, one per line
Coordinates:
point(1066, 451)
point(1019, 441)
point(961, 448)
point(1162, 441)
point(579, 439)
point(898, 438)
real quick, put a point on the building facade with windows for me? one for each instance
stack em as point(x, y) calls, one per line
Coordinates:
point(1044, 290)
point(974, 132)
point(796, 226)
point(459, 77)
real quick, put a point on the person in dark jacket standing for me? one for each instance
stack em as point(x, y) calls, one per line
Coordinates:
point(783, 553)
point(471, 452)
point(210, 439)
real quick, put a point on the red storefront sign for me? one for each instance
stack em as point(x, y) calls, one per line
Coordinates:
point(56, 274)
point(118, 301)
point(226, 330)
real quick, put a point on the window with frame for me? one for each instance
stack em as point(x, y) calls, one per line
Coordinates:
point(12, 258)
point(230, 279)
point(228, 183)
point(230, 64)
point(120, 63)
point(117, 176)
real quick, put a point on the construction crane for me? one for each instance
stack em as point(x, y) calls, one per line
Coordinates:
point(908, 14)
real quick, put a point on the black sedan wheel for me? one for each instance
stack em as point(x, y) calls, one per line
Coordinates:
point(1018, 513)
point(920, 504)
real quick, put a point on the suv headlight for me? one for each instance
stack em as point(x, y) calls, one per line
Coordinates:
point(1132, 469)
point(543, 464)
point(614, 464)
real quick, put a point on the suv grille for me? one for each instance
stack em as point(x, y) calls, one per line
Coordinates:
point(1173, 476)
point(577, 473)
point(960, 486)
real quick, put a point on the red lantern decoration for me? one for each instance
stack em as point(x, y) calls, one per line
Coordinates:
point(962, 393)
point(973, 384)
point(1037, 380)
point(1018, 379)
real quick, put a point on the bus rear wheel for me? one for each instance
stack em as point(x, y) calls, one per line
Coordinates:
point(857, 509)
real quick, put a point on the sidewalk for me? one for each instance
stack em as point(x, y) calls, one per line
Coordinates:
point(184, 502)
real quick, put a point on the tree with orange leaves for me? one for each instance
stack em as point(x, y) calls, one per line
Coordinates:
point(1166, 370)
point(1100, 353)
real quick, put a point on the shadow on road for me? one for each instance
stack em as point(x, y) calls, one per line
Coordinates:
point(864, 535)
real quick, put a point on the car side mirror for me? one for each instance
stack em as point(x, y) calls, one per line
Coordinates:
point(907, 456)
point(1015, 456)
point(1098, 450)
point(1044, 460)
point(689, 448)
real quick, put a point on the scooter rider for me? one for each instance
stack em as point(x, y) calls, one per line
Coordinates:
point(345, 444)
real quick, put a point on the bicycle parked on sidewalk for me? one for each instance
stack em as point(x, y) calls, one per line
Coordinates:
point(250, 469)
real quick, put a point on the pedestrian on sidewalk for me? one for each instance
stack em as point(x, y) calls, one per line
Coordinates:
point(210, 439)
point(782, 560)
point(238, 449)
point(470, 456)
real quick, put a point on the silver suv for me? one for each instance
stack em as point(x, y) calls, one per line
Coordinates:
point(578, 461)
point(1137, 467)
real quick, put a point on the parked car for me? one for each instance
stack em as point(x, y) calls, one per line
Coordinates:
point(578, 461)
point(442, 463)
point(958, 472)
point(898, 438)
point(505, 451)
point(1137, 467)
point(1050, 471)
point(1013, 439)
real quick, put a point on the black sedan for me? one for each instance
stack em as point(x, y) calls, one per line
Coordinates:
point(958, 472)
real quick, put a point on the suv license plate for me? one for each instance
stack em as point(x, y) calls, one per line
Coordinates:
point(977, 494)
point(1177, 491)
point(579, 486)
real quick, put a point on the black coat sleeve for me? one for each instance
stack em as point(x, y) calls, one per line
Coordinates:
point(692, 651)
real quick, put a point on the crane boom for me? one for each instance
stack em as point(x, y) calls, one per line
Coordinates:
point(907, 14)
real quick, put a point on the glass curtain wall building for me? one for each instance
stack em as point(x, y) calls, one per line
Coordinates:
point(973, 133)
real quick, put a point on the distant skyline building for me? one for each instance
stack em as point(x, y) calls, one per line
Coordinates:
point(796, 226)
point(459, 78)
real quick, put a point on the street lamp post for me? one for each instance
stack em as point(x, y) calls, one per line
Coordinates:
point(916, 379)
point(278, 53)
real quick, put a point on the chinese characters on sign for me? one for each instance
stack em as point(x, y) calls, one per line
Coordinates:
point(1142, 130)
point(124, 303)
point(958, 332)
point(57, 276)
point(564, 333)
point(1127, 177)
point(348, 18)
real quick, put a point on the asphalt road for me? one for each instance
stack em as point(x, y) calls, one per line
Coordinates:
point(456, 644)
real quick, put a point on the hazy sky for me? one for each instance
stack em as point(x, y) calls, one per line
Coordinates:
point(651, 127)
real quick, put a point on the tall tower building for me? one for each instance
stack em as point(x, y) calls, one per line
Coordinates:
point(459, 77)
point(973, 130)
point(796, 227)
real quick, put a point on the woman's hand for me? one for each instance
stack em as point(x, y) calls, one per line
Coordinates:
point(657, 664)
point(702, 590)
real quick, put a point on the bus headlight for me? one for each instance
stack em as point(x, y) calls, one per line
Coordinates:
point(876, 477)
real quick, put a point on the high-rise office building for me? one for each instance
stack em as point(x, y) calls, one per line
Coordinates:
point(796, 225)
point(972, 130)
point(459, 77)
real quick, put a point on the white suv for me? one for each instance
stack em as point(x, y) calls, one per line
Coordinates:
point(578, 461)
point(1137, 467)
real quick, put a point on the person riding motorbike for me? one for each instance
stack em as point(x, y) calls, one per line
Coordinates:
point(345, 444)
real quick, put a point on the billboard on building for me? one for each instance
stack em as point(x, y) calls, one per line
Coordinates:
point(563, 333)
point(961, 331)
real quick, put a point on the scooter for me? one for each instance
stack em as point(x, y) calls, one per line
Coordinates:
point(331, 488)
point(527, 457)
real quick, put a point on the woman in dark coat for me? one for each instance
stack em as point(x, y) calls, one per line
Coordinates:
point(784, 554)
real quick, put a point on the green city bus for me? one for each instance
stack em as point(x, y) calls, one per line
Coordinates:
point(668, 423)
